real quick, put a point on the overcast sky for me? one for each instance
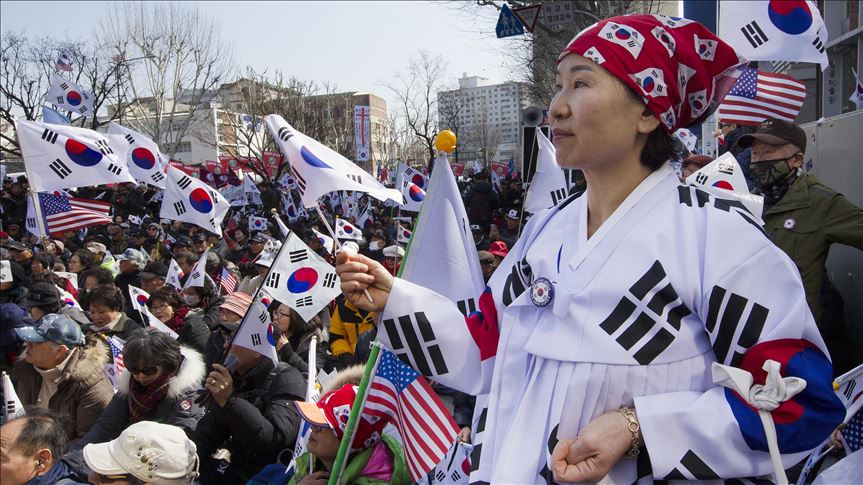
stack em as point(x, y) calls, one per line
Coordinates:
point(356, 45)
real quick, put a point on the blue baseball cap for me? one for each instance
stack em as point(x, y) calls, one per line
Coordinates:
point(54, 327)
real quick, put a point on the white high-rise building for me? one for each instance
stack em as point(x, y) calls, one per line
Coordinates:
point(485, 117)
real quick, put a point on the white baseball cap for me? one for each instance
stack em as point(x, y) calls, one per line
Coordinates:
point(156, 453)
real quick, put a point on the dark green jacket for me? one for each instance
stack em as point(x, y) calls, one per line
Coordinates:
point(805, 223)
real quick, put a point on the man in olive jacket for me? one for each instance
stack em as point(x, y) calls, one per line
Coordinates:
point(804, 217)
point(62, 371)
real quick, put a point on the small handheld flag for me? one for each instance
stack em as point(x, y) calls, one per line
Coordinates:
point(67, 95)
point(175, 274)
point(548, 186)
point(199, 273)
point(256, 332)
point(14, 408)
point(142, 155)
point(189, 200)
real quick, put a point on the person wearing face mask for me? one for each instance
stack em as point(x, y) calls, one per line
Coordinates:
point(376, 247)
point(804, 218)
point(203, 303)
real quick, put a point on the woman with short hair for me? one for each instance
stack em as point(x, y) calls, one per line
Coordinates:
point(165, 305)
point(106, 312)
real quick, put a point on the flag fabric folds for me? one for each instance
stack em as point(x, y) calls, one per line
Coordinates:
point(319, 169)
point(189, 200)
point(199, 272)
point(400, 394)
point(282, 227)
point(13, 408)
point(64, 61)
point(774, 31)
point(54, 117)
point(62, 213)
point(139, 300)
point(548, 186)
point(724, 178)
point(346, 230)
point(227, 282)
point(67, 95)
point(857, 95)
point(141, 154)
point(759, 95)
point(326, 241)
point(403, 235)
point(256, 332)
point(61, 157)
point(175, 274)
point(257, 223)
point(301, 279)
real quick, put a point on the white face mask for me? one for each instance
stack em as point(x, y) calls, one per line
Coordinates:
point(191, 300)
point(374, 245)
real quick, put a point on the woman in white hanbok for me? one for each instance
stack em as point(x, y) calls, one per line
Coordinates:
point(610, 338)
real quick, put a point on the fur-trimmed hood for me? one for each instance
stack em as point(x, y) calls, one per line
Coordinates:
point(349, 375)
point(188, 378)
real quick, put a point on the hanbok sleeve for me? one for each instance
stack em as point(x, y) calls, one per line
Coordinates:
point(754, 310)
point(429, 332)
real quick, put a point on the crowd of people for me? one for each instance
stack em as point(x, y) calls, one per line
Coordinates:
point(177, 413)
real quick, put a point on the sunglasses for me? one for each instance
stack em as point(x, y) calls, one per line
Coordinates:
point(147, 371)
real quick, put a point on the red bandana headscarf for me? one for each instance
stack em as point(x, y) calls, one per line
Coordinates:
point(681, 69)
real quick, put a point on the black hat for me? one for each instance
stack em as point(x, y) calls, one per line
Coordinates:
point(774, 131)
point(183, 241)
point(155, 269)
point(16, 245)
point(199, 237)
point(42, 294)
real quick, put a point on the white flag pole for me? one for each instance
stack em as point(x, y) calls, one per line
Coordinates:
point(336, 243)
point(313, 370)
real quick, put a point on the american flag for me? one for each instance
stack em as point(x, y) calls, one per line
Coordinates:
point(227, 281)
point(63, 213)
point(758, 95)
point(402, 395)
point(116, 353)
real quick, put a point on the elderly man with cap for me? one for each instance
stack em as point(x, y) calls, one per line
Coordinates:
point(131, 262)
point(509, 233)
point(251, 414)
point(199, 243)
point(144, 453)
point(63, 371)
point(101, 252)
point(480, 239)
point(21, 253)
point(804, 218)
point(153, 276)
point(44, 298)
point(183, 245)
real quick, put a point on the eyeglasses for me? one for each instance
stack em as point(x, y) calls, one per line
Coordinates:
point(147, 371)
point(283, 315)
point(486, 262)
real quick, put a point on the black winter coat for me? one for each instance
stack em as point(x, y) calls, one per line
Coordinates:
point(257, 422)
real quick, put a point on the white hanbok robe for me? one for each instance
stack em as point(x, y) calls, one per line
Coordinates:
point(673, 281)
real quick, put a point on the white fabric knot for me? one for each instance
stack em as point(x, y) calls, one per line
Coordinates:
point(763, 397)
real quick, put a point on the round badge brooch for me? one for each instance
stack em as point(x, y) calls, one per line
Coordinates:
point(541, 292)
point(789, 224)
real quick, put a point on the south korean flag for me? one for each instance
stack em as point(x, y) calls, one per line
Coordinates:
point(189, 200)
point(346, 230)
point(139, 300)
point(651, 81)
point(706, 48)
point(665, 39)
point(301, 279)
point(141, 154)
point(673, 22)
point(256, 332)
point(62, 157)
point(624, 36)
point(257, 223)
point(724, 178)
point(69, 96)
point(319, 169)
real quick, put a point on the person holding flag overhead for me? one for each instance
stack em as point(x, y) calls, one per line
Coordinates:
point(611, 291)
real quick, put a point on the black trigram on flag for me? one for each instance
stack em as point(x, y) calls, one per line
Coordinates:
point(818, 44)
point(83, 109)
point(273, 280)
point(256, 339)
point(636, 316)
point(180, 207)
point(329, 280)
point(129, 139)
point(49, 136)
point(184, 182)
point(262, 317)
point(557, 196)
point(703, 198)
point(306, 301)
point(701, 178)
point(301, 182)
point(104, 147)
point(298, 255)
point(60, 99)
point(285, 134)
point(31, 222)
point(466, 307)
point(115, 169)
point(157, 176)
point(848, 392)
point(64, 86)
point(479, 437)
point(196, 275)
point(518, 280)
point(356, 178)
point(725, 314)
point(415, 343)
point(753, 33)
point(60, 168)
point(694, 466)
